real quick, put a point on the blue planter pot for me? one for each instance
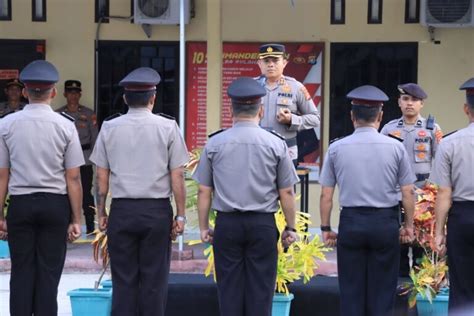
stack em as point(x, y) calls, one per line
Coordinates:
point(439, 307)
point(87, 302)
point(281, 304)
point(4, 250)
point(106, 284)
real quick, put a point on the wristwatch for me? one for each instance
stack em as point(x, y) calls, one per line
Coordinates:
point(291, 229)
point(325, 228)
point(180, 218)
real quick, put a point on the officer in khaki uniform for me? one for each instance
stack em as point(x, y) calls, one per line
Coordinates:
point(14, 103)
point(86, 124)
point(453, 172)
point(420, 137)
point(245, 170)
point(143, 154)
point(40, 156)
point(288, 107)
point(367, 167)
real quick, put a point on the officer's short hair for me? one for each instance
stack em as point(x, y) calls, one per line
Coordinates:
point(138, 98)
point(38, 94)
point(365, 113)
point(251, 109)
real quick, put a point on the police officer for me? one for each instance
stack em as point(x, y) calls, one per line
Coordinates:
point(245, 170)
point(453, 173)
point(289, 108)
point(40, 156)
point(420, 137)
point(367, 167)
point(14, 103)
point(86, 124)
point(143, 154)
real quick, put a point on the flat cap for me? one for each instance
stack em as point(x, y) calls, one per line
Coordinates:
point(367, 95)
point(141, 79)
point(39, 74)
point(245, 90)
point(271, 50)
point(412, 89)
point(72, 85)
point(14, 83)
point(469, 87)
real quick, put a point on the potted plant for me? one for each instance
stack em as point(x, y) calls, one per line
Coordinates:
point(4, 250)
point(298, 261)
point(429, 288)
point(94, 301)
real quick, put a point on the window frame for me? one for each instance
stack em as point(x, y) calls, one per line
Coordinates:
point(34, 18)
point(408, 20)
point(343, 12)
point(107, 11)
point(369, 12)
point(8, 17)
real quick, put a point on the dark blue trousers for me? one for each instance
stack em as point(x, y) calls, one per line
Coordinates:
point(139, 247)
point(37, 232)
point(245, 252)
point(460, 243)
point(368, 255)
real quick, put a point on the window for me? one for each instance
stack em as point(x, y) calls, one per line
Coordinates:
point(101, 10)
point(412, 11)
point(338, 11)
point(38, 10)
point(375, 12)
point(5, 10)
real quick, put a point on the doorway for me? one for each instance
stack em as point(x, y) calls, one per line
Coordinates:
point(117, 58)
point(384, 65)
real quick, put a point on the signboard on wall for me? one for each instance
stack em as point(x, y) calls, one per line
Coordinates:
point(240, 59)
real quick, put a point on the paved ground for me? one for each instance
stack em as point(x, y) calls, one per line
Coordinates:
point(80, 270)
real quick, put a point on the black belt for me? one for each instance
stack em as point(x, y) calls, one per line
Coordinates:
point(86, 146)
point(290, 142)
point(368, 208)
point(422, 176)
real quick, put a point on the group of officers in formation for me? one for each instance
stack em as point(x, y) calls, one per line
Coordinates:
point(244, 173)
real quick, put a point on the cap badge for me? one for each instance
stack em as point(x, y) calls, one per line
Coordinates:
point(269, 49)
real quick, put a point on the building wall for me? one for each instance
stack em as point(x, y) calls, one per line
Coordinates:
point(70, 32)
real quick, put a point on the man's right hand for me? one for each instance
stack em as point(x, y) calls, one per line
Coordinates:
point(406, 234)
point(207, 236)
point(288, 237)
point(3, 229)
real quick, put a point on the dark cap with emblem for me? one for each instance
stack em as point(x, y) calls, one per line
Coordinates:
point(245, 90)
point(72, 85)
point(367, 95)
point(469, 87)
point(14, 83)
point(412, 89)
point(271, 50)
point(140, 80)
point(39, 75)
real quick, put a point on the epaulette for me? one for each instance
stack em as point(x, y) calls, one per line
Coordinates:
point(113, 116)
point(69, 117)
point(276, 134)
point(395, 137)
point(169, 117)
point(335, 140)
point(451, 133)
point(393, 121)
point(216, 132)
point(5, 114)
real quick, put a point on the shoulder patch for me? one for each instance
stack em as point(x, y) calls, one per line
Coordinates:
point(451, 133)
point(395, 137)
point(169, 117)
point(69, 117)
point(276, 134)
point(5, 114)
point(216, 132)
point(336, 139)
point(113, 116)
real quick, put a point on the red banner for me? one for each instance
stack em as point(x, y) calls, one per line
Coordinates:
point(240, 59)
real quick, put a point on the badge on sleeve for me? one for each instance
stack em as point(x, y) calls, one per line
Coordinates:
point(307, 96)
point(438, 136)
